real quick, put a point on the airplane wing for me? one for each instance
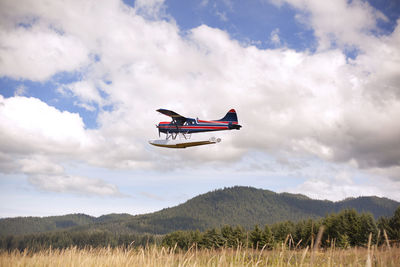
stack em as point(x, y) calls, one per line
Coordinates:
point(175, 116)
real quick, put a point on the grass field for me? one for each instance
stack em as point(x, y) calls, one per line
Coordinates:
point(157, 256)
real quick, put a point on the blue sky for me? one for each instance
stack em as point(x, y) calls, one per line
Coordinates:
point(315, 86)
point(246, 21)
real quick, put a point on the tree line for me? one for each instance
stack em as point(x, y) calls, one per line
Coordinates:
point(79, 239)
point(347, 228)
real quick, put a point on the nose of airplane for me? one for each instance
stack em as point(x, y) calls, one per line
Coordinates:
point(159, 132)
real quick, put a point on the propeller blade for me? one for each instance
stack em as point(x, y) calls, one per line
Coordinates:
point(159, 132)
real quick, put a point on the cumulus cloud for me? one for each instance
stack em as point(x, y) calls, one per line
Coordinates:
point(7, 163)
point(36, 54)
point(28, 125)
point(39, 164)
point(49, 176)
point(298, 103)
point(86, 91)
point(339, 23)
point(31, 132)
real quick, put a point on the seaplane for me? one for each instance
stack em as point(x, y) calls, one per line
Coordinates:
point(178, 131)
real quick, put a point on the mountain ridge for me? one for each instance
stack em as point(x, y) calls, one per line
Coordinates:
point(239, 205)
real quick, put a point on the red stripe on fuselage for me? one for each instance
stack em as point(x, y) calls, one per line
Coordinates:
point(233, 122)
point(225, 122)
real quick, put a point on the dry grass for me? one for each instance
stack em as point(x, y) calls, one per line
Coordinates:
point(156, 256)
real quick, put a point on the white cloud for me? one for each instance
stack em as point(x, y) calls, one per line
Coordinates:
point(74, 184)
point(338, 23)
point(39, 164)
point(37, 54)
point(86, 91)
point(343, 186)
point(28, 125)
point(7, 163)
point(49, 176)
point(31, 132)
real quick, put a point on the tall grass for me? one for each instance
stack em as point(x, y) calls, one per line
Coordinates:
point(160, 256)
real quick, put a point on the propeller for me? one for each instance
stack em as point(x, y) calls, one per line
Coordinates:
point(159, 132)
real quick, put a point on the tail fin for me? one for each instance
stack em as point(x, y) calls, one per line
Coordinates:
point(230, 117)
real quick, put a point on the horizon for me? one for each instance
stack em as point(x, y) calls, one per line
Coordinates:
point(315, 86)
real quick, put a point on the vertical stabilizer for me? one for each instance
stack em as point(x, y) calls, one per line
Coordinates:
point(230, 117)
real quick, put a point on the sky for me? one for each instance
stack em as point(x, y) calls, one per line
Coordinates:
point(315, 84)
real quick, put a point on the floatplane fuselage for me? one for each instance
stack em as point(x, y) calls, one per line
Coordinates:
point(184, 127)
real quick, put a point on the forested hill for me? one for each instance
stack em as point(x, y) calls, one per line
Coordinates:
point(29, 225)
point(248, 206)
point(238, 205)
